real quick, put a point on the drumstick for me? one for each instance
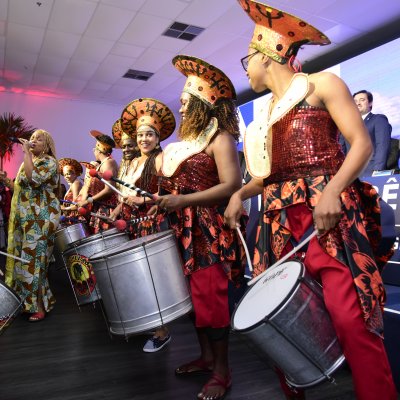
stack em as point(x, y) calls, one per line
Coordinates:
point(137, 220)
point(108, 175)
point(284, 258)
point(94, 174)
point(68, 201)
point(15, 257)
point(82, 211)
point(63, 218)
point(121, 224)
point(94, 201)
point(246, 250)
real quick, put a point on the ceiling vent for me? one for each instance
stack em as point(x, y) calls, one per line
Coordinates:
point(139, 75)
point(183, 31)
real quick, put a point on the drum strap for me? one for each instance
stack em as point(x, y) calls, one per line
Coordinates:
point(307, 233)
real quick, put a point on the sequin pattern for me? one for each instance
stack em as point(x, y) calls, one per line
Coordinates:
point(305, 143)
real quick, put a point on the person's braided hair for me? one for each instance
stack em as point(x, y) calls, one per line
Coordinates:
point(50, 150)
point(149, 169)
point(198, 115)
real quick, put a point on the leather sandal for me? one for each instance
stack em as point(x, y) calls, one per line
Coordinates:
point(36, 317)
point(216, 381)
point(194, 367)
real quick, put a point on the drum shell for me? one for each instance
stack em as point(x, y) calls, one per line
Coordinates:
point(88, 247)
point(298, 335)
point(64, 237)
point(10, 305)
point(142, 284)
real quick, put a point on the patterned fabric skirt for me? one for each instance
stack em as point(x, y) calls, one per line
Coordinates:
point(34, 241)
point(353, 242)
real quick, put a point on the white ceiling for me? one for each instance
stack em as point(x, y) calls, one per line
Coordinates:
point(80, 49)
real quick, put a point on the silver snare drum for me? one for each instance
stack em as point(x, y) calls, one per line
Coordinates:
point(285, 318)
point(142, 283)
point(10, 306)
point(80, 269)
point(67, 235)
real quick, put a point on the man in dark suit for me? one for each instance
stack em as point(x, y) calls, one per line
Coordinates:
point(379, 129)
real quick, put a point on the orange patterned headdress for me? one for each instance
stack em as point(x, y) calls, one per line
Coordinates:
point(89, 165)
point(119, 134)
point(206, 82)
point(70, 162)
point(279, 34)
point(104, 143)
point(150, 112)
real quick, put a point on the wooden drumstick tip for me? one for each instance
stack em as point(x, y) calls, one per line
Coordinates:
point(107, 175)
point(82, 211)
point(93, 173)
point(120, 224)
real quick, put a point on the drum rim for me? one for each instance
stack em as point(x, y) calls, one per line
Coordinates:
point(279, 306)
point(120, 249)
point(66, 228)
point(97, 236)
point(11, 290)
point(323, 377)
point(73, 249)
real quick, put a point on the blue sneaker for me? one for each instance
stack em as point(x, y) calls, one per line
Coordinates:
point(155, 344)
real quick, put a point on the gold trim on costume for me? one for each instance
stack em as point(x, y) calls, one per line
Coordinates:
point(257, 143)
point(176, 153)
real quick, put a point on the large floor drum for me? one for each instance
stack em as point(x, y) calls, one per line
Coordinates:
point(284, 317)
point(10, 306)
point(79, 267)
point(142, 283)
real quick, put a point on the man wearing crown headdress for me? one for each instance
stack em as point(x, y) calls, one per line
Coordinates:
point(202, 171)
point(297, 164)
point(130, 152)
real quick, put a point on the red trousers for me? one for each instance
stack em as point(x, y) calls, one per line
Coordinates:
point(364, 351)
point(209, 289)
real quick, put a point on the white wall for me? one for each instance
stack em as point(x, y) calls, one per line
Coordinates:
point(69, 122)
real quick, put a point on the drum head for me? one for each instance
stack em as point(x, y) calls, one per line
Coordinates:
point(266, 296)
point(132, 244)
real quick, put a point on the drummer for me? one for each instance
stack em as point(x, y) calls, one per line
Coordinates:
point(70, 169)
point(202, 171)
point(130, 151)
point(297, 164)
point(156, 123)
point(100, 198)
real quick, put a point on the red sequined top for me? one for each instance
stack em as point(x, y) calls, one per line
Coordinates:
point(196, 174)
point(304, 144)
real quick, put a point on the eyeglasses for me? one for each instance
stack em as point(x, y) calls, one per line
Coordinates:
point(245, 60)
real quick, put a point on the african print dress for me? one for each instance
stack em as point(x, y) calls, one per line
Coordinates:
point(35, 215)
point(71, 216)
point(104, 207)
point(203, 237)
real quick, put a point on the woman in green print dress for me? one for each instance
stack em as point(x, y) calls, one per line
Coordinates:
point(35, 214)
